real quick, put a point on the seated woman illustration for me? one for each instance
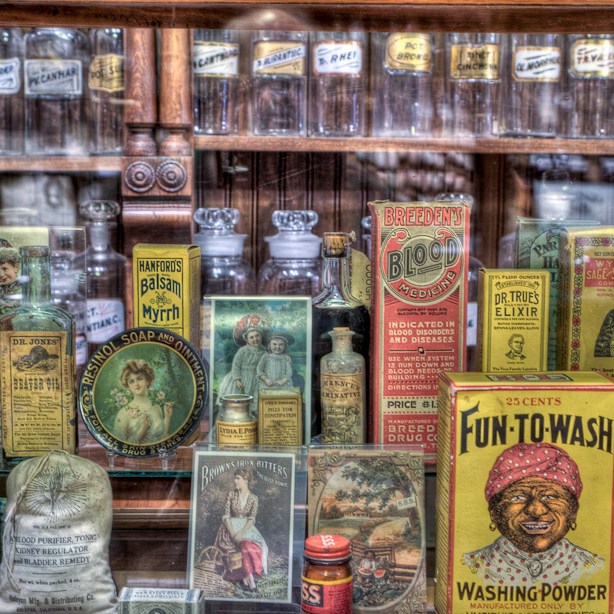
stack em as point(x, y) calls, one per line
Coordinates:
point(238, 533)
point(275, 367)
point(532, 493)
point(146, 417)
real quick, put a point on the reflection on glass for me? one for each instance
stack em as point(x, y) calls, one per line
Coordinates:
point(11, 91)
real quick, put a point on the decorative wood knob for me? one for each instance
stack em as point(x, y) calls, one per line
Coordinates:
point(171, 176)
point(140, 176)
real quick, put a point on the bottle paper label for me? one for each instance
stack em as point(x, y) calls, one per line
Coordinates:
point(106, 73)
point(537, 64)
point(216, 59)
point(279, 58)
point(592, 58)
point(37, 392)
point(321, 597)
point(337, 59)
point(475, 62)
point(360, 277)
point(237, 432)
point(341, 399)
point(410, 52)
point(53, 77)
point(81, 350)
point(472, 324)
point(10, 76)
point(105, 319)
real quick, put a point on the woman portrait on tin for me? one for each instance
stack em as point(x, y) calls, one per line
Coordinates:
point(145, 417)
point(532, 493)
point(10, 264)
point(275, 366)
point(238, 534)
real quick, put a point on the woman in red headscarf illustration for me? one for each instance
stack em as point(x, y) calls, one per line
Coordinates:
point(532, 493)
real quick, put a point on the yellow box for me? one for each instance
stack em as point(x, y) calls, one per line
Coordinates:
point(280, 416)
point(524, 493)
point(513, 320)
point(166, 288)
point(586, 299)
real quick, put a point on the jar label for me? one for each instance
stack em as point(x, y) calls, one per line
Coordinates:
point(330, 58)
point(279, 58)
point(593, 58)
point(537, 64)
point(105, 319)
point(216, 59)
point(472, 324)
point(410, 52)
point(10, 76)
point(341, 398)
point(37, 392)
point(237, 432)
point(106, 73)
point(80, 350)
point(321, 597)
point(475, 62)
point(53, 77)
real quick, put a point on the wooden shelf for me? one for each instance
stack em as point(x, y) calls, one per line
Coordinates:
point(488, 146)
point(61, 164)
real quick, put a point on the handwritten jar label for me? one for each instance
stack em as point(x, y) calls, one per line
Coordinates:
point(537, 64)
point(216, 59)
point(279, 58)
point(410, 52)
point(337, 59)
point(10, 77)
point(53, 77)
point(106, 73)
point(475, 62)
point(592, 58)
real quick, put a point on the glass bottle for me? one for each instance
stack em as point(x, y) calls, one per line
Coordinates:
point(278, 83)
point(56, 61)
point(338, 84)
point(223, 268)
point(534, 82)
point(336, 307)
point(216, 81)
point(235, 424)
point(343, 387)
point(106, 85)
point(402, 68)
point(367, 229)
point(11, 92)
point(473, 69)
point(294, 264)
point(37, 342)
point(106, 274)
point(590, 78)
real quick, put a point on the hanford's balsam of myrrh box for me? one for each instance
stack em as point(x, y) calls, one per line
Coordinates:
point(586, 299)
point(513, 320)
point(419, 262)
point(524, 493)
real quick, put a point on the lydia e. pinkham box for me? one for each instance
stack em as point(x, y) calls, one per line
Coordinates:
point(419, 313)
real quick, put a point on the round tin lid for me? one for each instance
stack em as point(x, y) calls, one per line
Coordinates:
point(327, 547)
point(143, 392)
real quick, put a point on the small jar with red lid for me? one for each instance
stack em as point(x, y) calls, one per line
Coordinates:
point(327, 576)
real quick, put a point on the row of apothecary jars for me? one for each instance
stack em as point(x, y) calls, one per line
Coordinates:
point(319, 83)
point(61, 91)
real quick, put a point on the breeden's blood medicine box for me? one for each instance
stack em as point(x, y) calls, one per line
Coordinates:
point(419, 305)
point(524, 493)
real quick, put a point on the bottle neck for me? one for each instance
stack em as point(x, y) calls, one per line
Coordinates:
point(37, 285)
point(342, 343)
point(336, 280)
point(100, 236)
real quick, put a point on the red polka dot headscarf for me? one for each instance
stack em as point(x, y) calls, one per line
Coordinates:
point(541, 459)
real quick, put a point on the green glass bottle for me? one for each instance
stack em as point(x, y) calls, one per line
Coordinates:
point(37, 367)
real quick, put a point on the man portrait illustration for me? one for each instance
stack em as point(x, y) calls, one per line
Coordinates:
point(516, 344)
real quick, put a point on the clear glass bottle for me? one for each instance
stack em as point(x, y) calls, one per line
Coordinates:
point(223, 268)
point(336, 307)
point(590, 85)
point(216, 81)
point(367, 228)
point(294, 265)
point(278, 84)
point(106, 86)
point(106, 274)
point(343, 392)
point(473, 71)
point(402, 68)
point(55, 67)
point(338, 84)
point(37, 339)
point(11, 92)
point(533, 85)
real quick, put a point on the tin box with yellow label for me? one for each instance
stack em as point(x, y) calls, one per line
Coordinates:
point(524, 493)
point(166, 288)
point(513, 320)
